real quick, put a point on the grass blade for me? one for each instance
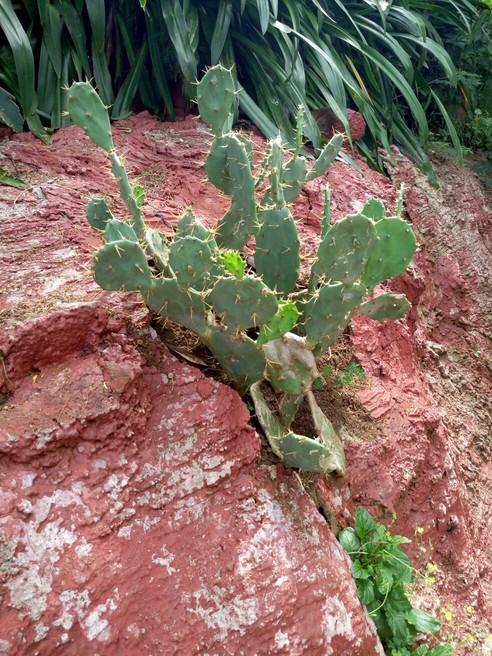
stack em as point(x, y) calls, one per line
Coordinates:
point(221, 30)
point(10, 112)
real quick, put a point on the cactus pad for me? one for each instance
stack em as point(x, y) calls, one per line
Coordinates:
point(294, 450)
point(329, 311)
point(116, 230)
point(244, 303)
point(374, 209)
point(282, 322)
point(157, 248)
point(386, 306)
point(237, 354)
point(183, 306)
point(234, 263)
point(291, 365)
point(326, 157)
point(190, 259)
point(277, 250)
point(98, 213)
point(229, 169)
point(216, 98)
point(344, 251)
point(87, 110)
point(190, 226)
point(293, 178)
point(122, 266)
point(391, 253)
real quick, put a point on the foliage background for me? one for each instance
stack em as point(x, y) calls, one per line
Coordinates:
point(406, 65)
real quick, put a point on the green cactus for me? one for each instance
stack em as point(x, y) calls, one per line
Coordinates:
point(234, 263)
point(98, 213)
point(291, 365)
point(344, 251)
point(326, 157)
point(238, 355)
point(190, 226)
point(157, 249)
point(329, 310)
point(115, 230)
point(386, 306)
point(228, 167)
point(285, 320)
point(260, 326)
point(277, 250)
point(122, 266)
point(216, 98)
point(374, 209)
point(392, 251)
point(322, 455)
point(87, 110)
point(190, 259)
point(242, 303)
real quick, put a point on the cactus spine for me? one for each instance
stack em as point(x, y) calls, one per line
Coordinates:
point(259, 326)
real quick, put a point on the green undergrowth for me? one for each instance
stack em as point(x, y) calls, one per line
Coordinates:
point(383, 573)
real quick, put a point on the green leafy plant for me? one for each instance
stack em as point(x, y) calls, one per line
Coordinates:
point(382, 572)
point(389, 60)
point(350, 375)
point(469, 103)
point(11, 180)
point(478, 131)
point(259, 325)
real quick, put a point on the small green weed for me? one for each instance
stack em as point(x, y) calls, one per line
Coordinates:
point(479, 130)
point(12, 181)
point(349, 376)
point(382, 570)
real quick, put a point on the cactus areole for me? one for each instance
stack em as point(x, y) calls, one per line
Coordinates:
point(258, 324)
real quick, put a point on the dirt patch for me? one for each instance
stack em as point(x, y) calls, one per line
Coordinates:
point(340, 400)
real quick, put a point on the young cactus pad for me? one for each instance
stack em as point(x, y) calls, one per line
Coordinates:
point(261, 327)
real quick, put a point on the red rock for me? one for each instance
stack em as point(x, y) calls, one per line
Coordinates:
point(134, 517)
point(329, 124)
point(428, 381)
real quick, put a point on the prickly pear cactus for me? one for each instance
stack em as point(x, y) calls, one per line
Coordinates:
point(260, 325)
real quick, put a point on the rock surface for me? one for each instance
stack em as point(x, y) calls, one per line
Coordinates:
point(429, 386)
point(425, 460)
point(134, 518)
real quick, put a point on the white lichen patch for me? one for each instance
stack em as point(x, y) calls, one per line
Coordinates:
point(74, 605)
point(63, 254)
point(43, 437)
point(224, 616)
point(59, 499)
point(41, 632)
point(36, 564)
point(28, 479)
point(336, 621)
point(83, 550)
point(135, 630)
point(281, 640)
point(67, 275)
point(180, 450)
point(269, 542)
point(164, 559)
point(194, 477)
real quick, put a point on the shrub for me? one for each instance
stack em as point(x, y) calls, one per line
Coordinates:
point(382, 572)
point(259, 324)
